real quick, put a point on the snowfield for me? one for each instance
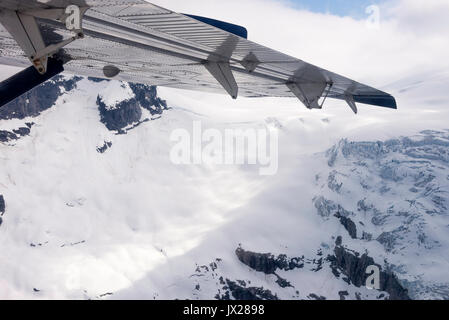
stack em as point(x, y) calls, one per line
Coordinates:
point(94, 208)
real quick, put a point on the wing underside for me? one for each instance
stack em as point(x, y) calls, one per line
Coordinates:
point(156, 46)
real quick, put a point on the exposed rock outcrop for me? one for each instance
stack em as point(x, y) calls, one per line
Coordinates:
point(348, 224)
point(32, 103)
point(313, 296)
point(354, 267)
point(104, 147)
point(7, 136)
point(268, 263)
point(240, 292)
point(148, 99)
point(39, 99)
point(128, 112)
point(123, 115)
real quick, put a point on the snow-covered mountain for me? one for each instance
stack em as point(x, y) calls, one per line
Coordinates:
point(92, 207)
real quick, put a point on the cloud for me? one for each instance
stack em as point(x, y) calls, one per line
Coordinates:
point(423, 18)
point(341, 44)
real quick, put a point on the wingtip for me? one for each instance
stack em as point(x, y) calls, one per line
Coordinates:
point(386, 101)
point(395, 105)
point(390, 102)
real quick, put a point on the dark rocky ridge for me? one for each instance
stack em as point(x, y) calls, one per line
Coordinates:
point(6, 136)
point(129, 112)
point(354, 267)
point(313, 296)
point(126, 113)
point(105, 147)
point(351, 264)
point(39, 99)
point(348, 224)
point(43, 97)
point(230, 289)
point(33, 103)
point(268, 263)
point(124, 117)
point(241, 292)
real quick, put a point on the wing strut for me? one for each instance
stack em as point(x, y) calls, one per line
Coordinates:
point(222, 72)
point(23, 27)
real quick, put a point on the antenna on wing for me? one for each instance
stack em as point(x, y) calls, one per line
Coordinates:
point(250, 63)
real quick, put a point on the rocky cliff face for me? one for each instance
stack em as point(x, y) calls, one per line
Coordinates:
point(120, 115)
point(387, 204)
point(131, 105)
point(125, 111)
point(39, 99)
point(354, 267)
point(32, 104)
point(394, 194)
point(347, 269)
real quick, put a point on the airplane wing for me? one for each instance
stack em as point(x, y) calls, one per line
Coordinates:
point(136, 41)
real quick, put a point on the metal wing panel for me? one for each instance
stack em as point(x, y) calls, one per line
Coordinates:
point(153, 45)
